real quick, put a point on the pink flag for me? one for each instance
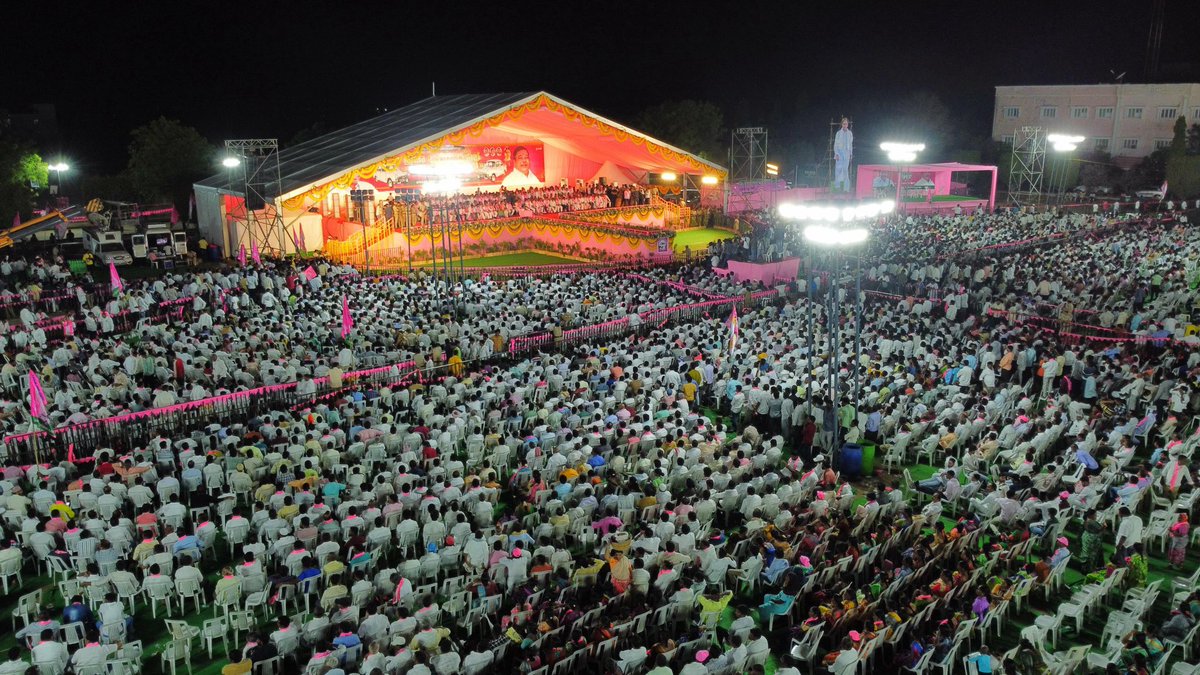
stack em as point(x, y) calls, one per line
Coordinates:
point(242, 255)
point(310, 273)
point(254, 253)
point(296, 240)
point(37, 398)
point(17, 219)
point(303, 246)
point(347, 320)
point(114, 278)
point(174, 216)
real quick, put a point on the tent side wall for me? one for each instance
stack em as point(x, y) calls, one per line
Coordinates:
point(210, 216)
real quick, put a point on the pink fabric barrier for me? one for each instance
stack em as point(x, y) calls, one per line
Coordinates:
point(210, 401)
point(767, 273)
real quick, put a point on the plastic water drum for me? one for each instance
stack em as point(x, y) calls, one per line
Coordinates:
point(852, 460)
point(868, 458)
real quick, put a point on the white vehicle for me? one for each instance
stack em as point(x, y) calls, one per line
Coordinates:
point(492, 169)
point(107, 247)
point(159, 238)
point(1149, 194)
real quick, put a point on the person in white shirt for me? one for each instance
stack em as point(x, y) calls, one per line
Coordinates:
point(1129, 532)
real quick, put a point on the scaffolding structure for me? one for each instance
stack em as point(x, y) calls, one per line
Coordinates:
point(1028, 165)
point(258, 159)
point(826, 167)
point(748, 154)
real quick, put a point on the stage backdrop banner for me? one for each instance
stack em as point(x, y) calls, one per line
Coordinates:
point(512, 166)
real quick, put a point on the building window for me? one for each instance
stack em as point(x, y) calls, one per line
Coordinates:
point(1049, 112)
point(1079, 112)
point(1162, 143)
point(1007, 138)
point(1195, 115)
point(1012, 112)
point(1133, 113)
point(1104, 113)
point(1101, 145)
point(1168, 113)
point(1129, 144)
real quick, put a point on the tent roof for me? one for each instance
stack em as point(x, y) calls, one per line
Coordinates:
point(432, 122)
point(942, 166)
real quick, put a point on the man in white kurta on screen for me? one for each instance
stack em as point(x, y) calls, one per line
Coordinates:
point(522, 175)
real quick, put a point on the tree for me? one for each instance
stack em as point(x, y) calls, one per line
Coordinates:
point(1148, 173)
point(165, 158)
point(1183, 169)
point(1193, 139)
point(22, 173)
point(921, 117)
point(694, 126)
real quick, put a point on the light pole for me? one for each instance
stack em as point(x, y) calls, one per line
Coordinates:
point(901, 154)
point(838, 229)
point(58, 170)
point(1064, 145)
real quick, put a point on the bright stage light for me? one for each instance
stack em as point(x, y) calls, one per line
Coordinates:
point(772, 172)
point(886, 207)
point(230, 162)
point(1065, 138)
point(1065, 147)
point(901, 152)
point(831, 236)
point(709, 180)
point(667, 175)
point(446, 185)
point(904, 147)
point(60, 167)
point(772, 167)
point(450, 167)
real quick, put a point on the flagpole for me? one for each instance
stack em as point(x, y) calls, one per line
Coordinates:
point(37, 457)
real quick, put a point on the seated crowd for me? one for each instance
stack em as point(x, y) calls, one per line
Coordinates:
point(669, 501)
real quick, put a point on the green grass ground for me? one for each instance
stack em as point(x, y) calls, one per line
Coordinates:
point(512, 260)
point(939, 198)
point(699, 239)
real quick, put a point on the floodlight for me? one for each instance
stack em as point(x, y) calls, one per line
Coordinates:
point(772, 167)
point(886, 207)
point(709, 180)
point(667, 175)
point(831, 236)
point(60, 167)
point(231, 162)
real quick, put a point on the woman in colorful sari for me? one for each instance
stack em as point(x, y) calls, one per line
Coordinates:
point(1138, 568)
point(1092, 554)
point(1177, 539)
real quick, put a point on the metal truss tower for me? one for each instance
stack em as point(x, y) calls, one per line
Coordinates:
point(261, 184)
point(1028, 165)
point(748, 154)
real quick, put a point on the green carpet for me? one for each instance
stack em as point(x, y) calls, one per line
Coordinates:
point(510, 260)
point(699, 239)
point(939, 198)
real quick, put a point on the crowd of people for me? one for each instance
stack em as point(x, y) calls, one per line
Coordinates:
point(531, 201)
point(673, 500)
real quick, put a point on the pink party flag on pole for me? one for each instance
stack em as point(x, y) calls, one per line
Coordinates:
point(733, 329)
point(37, 399)
point(17, 219)
point(254, 253)
point(114, 278)
point(347, 320)
point(296, 240)
point(242, 255)
point(303, 246)
point(174, 216)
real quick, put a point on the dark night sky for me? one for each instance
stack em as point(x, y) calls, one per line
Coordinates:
point(254, 69)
